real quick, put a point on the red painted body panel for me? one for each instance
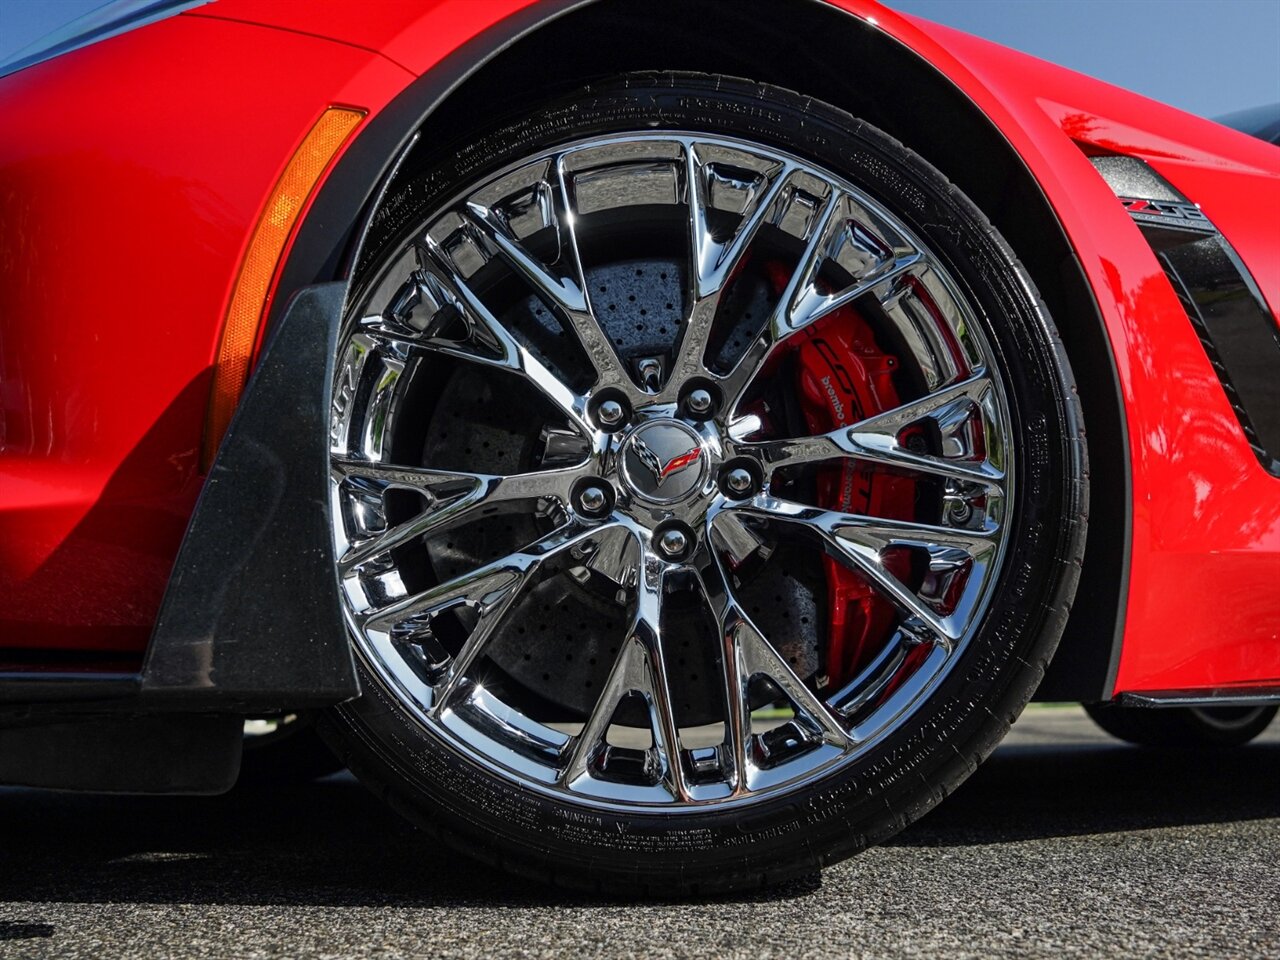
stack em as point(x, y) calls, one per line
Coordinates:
point(131, 174)
point(413, 33)
point(1204, 600)
point(135, 169)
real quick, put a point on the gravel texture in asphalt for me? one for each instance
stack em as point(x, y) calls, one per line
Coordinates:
point(1064, 844)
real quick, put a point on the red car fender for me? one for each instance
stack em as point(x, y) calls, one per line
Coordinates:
point(1203, 608)
point(128, 195)
point(415, 34)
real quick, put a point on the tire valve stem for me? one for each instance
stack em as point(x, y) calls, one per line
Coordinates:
point(650, 371)
point(959, 509)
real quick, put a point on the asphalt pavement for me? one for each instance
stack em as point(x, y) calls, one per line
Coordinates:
point(1064, 844)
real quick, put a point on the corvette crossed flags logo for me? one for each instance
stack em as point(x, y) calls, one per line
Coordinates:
point(661, 471)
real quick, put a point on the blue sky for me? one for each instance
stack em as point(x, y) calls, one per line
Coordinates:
point(1206, 56)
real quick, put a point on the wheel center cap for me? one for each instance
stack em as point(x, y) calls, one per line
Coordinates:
point(663, 461)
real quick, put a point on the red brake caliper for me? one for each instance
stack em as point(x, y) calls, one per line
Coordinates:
point(844, 377)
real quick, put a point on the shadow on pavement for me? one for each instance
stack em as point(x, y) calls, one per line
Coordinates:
point(1032, 792)
point(333, 844)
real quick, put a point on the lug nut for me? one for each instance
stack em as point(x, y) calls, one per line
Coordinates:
point(739, 481)
point(673, 543)
point(610, 413)
point(699, 402)
point(592, 500)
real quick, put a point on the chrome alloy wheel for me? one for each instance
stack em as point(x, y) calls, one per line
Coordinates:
point(658, 478)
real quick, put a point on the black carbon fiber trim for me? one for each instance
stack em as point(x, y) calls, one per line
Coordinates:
point(1213, 697)
point(1233, 329)
point(251, 621)
point(1221, 299)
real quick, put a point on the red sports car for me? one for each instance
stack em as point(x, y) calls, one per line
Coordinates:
point(651, 443)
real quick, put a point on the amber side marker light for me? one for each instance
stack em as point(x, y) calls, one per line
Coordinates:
point(253, 283)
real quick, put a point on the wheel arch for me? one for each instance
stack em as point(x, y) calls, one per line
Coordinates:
point(818, 50)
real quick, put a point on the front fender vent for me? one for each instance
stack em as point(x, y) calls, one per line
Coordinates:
point(1222, 300)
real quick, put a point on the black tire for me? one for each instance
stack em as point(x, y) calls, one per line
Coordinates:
point(1182, 728)
point(955, 728)
point(291, 753)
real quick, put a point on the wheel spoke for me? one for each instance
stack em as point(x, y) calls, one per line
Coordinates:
point(489, 591)
point(613, 557)
point(641, 668)
point(713, 261)
point(860, 542)
point(736, 674)
point(746, 653)
point(515, 568)
point(803, 301)
point(453, 497)
point(780, 324)
point(560, 283)
point(812, 305)
point(876, 439)
point(486, 340)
